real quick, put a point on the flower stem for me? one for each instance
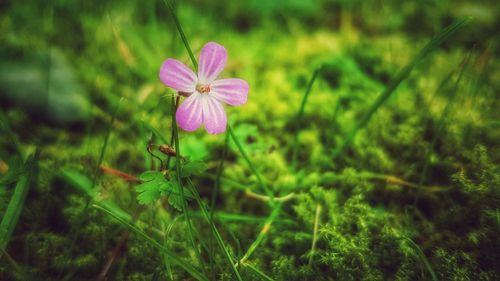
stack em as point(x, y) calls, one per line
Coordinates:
point(185, 210)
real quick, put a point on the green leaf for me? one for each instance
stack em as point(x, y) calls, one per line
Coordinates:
point(175, 200)
point(78, 180)
point(150, 175)
point(151, 188)
point(193, 168)
point(175, 197)
point(155, 185)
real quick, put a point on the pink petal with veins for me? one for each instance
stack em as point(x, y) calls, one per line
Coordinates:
point(232, 91)
point(213, 58)
point(178, 76)
point(189, 114)
point(214, 116)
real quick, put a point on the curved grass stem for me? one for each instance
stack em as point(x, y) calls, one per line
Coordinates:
point(251, 166)
point(214, 230)
point(300, 114)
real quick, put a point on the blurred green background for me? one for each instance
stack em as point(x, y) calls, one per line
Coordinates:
point(414, 197)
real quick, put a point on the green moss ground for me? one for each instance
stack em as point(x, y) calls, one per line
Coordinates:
point(414, 197)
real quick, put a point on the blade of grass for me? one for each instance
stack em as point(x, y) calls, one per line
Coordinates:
point(154, 131)
point(134, 228)
point(216, 233)
point(315, 233)
point(170, 7)
point(300, 114)
point(262, 234)
point(84, 184)
point(259, 272)
point(251, 166)
point(16, 203)
point(185, 209)
point(442, 122)
point(215, 191)
point(105, 144)
point(402, 75)
point(422, 258)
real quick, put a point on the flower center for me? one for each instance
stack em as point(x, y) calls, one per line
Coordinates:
point(203, 89)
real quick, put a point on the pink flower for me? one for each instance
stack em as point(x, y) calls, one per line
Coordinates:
point(206, 94)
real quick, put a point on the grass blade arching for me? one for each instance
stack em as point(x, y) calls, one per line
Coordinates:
point(16, 203)
point(300, 114)
point(402, 75)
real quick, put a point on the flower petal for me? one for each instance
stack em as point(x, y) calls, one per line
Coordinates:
point(213, 58)
point(178, 76)
point(232, 91)
point(214, 116)
point(189, 113)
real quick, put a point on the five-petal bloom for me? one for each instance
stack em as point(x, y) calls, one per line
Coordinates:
point(203, 105)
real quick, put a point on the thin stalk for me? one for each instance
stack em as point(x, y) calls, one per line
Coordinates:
point(442, 121)
point(215, 232)
point(402, 75)
point(251, 166)
point(105, 144)
point(172, 133)
point(264, 198)
point(16, 203)
point(422, 257)
point(315, 233)
point(170, 7)
point(263, 233)
point(300, 114)
point(132, 226)
point(258, 272)
point(213, 200)
point(185, 210)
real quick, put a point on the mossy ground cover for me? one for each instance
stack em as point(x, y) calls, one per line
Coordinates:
point(414, 196)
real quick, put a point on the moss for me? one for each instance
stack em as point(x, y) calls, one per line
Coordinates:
point(367, 218)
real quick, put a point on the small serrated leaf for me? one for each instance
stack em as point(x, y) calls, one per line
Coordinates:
point(175, 201)
point(193, 168)
point(150, 175)
point(154, 183)
point(148, 196)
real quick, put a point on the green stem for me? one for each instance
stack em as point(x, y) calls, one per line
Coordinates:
point(185, 210)
point(214, 198)
point(172, 133)
point(300, 115)
point(263, 233)
point(442, 121)
point(105, 144)
point(215, 232)
point(170, 255)
point(170, 7)
point(251, 166)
